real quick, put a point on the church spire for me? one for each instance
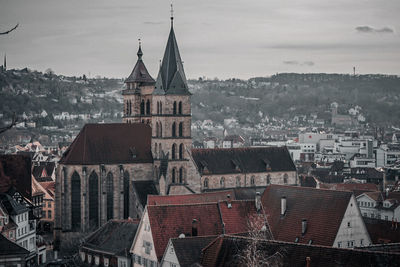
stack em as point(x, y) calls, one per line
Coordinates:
point(5, 62)
point(140, 53)
point(171, 77)
point(172, 15)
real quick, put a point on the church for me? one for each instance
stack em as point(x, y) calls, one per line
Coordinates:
point(109, 169)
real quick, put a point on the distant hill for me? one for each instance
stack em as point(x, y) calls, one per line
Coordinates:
point(282, 95)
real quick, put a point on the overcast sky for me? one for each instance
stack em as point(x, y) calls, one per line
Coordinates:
point(217, 38)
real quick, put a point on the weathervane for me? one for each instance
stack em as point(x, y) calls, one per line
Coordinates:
point(172, 13)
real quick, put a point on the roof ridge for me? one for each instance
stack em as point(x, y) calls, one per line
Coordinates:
point(310, 188)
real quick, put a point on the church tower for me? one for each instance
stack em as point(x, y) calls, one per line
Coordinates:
point(138, 93)
point(171, 121)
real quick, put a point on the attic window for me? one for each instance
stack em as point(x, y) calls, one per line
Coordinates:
point(133, 152)
point(267, 164)
point(235, 164)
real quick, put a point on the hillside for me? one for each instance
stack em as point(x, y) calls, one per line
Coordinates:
point(249, 101)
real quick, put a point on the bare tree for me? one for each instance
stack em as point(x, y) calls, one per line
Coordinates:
point(8, 31)
point(8, 127)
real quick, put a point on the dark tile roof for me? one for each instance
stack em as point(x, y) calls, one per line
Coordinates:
point(188, 249)
point(15, 171)
point(115, 237)
point(170, 221)
point(113, 143)
point(143, 189)
point(139, 73)
point(382, 231)
point(171, 78)
point(357, 189)
point(38, 169)
point(9, 248)
point(12, 206)
point(226, 251)
point(237, 160)
point(307, 181)
point(190, 198)
point(323, 210)
point(240, 193)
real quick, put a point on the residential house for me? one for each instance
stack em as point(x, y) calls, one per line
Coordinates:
point(232, 141)
point(109, 245)
point(12, 254)
point(185, 252)
point(380, 206)
point(383, 232)
point(228, 250)
point(314, 216)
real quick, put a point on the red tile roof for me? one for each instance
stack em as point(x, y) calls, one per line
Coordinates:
point(190, 198)
point(249, 159)
point(113, 143)
point(323, 210)
point(382, 231)
point(237, 218)
point(357, 189)
point(170, 221)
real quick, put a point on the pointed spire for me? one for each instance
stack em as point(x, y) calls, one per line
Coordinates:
point(140, 53)
point(172, 15)
point(139, 73)
point(171, 77)
point(5, 62)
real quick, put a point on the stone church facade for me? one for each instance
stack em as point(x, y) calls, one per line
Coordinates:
point(109, 169)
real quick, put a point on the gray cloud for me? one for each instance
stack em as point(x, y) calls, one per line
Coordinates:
point(368, 29)
point(153, 22)
point(295, 62)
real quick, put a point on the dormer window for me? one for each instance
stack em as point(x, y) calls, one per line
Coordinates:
point(267, 164)
point(236, 165)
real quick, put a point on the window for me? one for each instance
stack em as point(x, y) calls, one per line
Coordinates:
point(142, 107)
point(386, 218)
point(173, 152)
point(350, 243)
point(285, 178)
point(238, 181)
point(180, 107)
point(181, 175)
point(222, 182)
point(205, 183)
point(110, 196)
point(83, 256)
point(49, 204)
point(106, 262)
point(252, 180)
point(365, 214)
point(181, 151)
point(173, 130)
point(339, 244)
point(268, 179)
point(348, 224)
point(49, 214)
point(173, 175)
point(148, 107)
point(362, 242)
point(180, 129)
point(174, 108)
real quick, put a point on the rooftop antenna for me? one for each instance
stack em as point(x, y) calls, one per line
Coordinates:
point(172, 14)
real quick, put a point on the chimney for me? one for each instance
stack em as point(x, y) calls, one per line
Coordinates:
point(258, 201)
point(303, 226)
point(194, 227)
point(228, 201)
point(308, 260)
point(283, 206)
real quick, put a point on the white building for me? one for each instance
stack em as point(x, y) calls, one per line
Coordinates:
point(380, 206)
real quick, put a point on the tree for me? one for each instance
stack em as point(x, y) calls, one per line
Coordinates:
point(8, 31)
point(8, 127)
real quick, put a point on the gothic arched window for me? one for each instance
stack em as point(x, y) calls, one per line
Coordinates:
point(93, 200)
point(142, 107)
point(181, 151)
point(205, 183)
point(159, 150)
point(157, 129)
point(130, 107)
point(268, 179)
point(126, 195)
point(148, 107)
point(155, 151)
point(180, 129)
point(110, 196)
point(252, 181)
point(160, 129)
point(238, 181)
point(173, 151)
point(173, 175)
point(181, 175)
point(222, 182)
point(173, 129)
point(160, 107)
point(76, 201)
point(285, 178)
point(174, 108)
point(180, 107)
